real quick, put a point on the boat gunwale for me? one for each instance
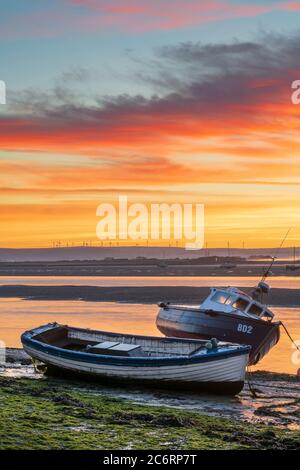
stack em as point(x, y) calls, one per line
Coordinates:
point(219, 312)
point(56, 351)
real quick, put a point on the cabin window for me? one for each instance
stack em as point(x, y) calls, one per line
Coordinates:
point(220, 297)
point(255, 309)
point(240, 304)
point(231, 299)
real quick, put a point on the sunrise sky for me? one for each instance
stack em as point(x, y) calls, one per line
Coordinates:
point(162, 101)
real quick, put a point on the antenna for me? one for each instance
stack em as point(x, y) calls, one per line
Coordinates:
point(267, 272)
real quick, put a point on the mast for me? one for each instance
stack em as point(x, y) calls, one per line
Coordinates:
point(262, 287)
point(267, 272)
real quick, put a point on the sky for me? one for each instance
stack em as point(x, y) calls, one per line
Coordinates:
point(163, 101)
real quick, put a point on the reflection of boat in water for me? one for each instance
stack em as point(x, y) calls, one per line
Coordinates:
point(227, 314)
point(132, 359)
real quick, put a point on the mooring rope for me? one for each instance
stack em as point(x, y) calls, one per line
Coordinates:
point(292, 340)
point(249, 382)
point(34, 363)
point(249, 372)
point(38, 366)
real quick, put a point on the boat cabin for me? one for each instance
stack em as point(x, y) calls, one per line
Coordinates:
point(233, 300)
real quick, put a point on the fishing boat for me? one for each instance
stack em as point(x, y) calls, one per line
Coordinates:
point(227, 314)
point(294, 266)
point(228, 262)
point(132, 359)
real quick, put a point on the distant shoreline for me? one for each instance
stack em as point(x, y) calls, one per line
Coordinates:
point(145, 268)
point(153, 294)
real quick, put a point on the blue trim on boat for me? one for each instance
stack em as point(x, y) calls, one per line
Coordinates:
point(27, 340)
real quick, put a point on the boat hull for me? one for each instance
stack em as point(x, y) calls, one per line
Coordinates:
point(214, 372)
point(202, 324)
point(212, 387)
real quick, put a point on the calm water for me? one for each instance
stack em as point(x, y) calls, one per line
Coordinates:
point(131, 281)
point(17, 315)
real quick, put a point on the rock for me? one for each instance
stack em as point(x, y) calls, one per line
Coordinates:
point(17, 356)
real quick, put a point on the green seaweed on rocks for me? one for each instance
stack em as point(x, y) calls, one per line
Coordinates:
point(55, 414)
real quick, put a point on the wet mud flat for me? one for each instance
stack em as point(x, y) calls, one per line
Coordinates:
point(152, 294)
point(144, 267)
point(276, 404)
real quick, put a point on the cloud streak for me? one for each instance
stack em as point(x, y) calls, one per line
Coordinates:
point(142, 15)
point(135, 16)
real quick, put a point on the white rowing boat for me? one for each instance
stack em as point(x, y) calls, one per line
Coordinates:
point(152, 361)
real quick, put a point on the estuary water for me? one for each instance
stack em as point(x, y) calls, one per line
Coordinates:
point(17, 315)
point(144, 281)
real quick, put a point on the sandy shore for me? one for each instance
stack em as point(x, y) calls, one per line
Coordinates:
point(278, 297)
